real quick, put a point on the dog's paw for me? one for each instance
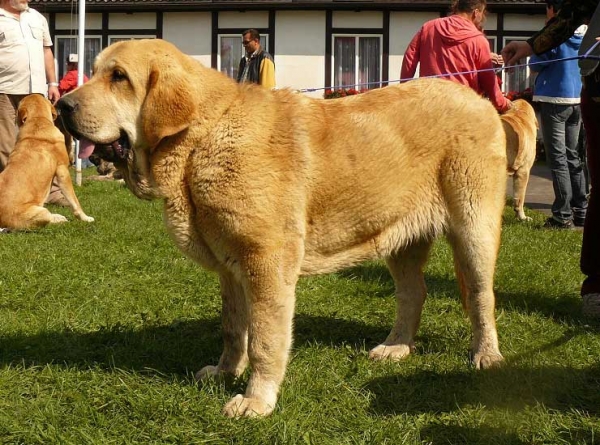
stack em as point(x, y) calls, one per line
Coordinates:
point(55, 218)
point(86, 218)
point(486, 360)
point(390, 352)
point(524, 218)
point(241, 406)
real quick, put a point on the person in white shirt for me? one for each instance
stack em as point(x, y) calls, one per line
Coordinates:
point(26, 67)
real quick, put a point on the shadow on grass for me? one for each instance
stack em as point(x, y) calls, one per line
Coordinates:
point(437, 434)
point(511, 387)
point(179, 349)
point(565, 310)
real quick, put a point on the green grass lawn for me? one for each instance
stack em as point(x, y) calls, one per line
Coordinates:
point(103, 325)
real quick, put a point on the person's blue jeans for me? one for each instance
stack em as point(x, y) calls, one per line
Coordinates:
point(560, 130)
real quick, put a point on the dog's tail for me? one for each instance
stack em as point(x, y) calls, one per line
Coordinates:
point(525, 142)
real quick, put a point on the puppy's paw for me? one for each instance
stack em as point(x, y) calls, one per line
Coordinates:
point(241, 406)
point(486, 360)
point(86, 218)
point(55, 218)
point(390, 352)
point(524, 218)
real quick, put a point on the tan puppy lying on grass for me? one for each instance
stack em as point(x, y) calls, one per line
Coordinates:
point(39, 155)
point(265, 186)
point(520, 125)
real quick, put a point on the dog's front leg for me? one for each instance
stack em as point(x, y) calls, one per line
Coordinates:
point(65, 184)
point(234, 358)
point(270, 289)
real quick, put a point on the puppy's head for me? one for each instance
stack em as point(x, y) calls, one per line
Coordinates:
point(35, 105)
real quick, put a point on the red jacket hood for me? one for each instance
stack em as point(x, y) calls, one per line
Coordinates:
point(456, 29)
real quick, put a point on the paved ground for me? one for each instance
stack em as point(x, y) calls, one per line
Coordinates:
point(539, 195)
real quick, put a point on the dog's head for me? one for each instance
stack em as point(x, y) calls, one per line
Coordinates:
point(140, 94)
point(35, 106)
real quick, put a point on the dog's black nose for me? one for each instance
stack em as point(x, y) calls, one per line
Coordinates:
point(66, 106)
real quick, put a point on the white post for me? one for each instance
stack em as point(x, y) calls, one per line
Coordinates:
point(80, 73)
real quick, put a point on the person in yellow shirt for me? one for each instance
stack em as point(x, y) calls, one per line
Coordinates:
point(256, 65)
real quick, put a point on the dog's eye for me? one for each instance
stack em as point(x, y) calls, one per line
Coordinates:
point(118, 75)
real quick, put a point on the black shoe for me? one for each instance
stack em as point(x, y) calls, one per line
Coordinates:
point(552, 223)
point(579, 222)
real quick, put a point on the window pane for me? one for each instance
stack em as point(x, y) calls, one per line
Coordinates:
point(517, 79)
point(68, 45)
point(344, 61)
point(231, 53)
point(369, 71)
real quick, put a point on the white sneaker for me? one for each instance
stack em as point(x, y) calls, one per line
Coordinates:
point(591, 305)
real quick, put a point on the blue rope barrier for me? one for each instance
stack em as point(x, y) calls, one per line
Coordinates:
point(587, 55)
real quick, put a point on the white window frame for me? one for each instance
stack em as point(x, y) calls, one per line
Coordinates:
point(356, 70)
point(61, 63)
point(530, 78)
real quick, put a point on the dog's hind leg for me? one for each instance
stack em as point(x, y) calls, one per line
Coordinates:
point(406, 267)
point(520, 181)
point(38, 216)
point(475, 245)
point(234, 358)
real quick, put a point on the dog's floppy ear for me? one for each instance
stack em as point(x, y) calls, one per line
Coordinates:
point(21, 115)
point(168, 107)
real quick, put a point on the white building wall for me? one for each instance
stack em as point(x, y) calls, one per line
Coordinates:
point(300, 49)
point(403, 27)
point(361, 19)
point(190, 32)
point(523, 22)
point(244, 20)
point(137, 20)
point(71, 22)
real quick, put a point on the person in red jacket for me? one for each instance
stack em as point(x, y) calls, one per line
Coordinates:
point(69, 80)
point(456, 44)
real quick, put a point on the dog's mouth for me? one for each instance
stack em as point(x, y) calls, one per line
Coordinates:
point(115, 152)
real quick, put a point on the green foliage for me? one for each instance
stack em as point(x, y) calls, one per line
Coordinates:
point(104, 324)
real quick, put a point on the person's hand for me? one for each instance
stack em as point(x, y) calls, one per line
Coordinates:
point(515, 51)
point(508, 106)
point(53, 94)
point(497, 59)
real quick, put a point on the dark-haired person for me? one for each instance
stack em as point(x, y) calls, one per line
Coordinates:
point(456, 44)
point(557, 90)
point(559, 29)
point(256, 65)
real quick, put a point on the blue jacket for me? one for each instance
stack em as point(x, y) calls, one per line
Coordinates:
point(559, 82)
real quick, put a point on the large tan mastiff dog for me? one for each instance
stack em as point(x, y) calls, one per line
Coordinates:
point(520, 125)
point(39, 155)
point(265, 186)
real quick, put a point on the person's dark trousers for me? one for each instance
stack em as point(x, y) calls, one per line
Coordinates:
point(560, 128)
point(590, 249)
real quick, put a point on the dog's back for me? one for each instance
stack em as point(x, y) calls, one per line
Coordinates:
point(520, 126)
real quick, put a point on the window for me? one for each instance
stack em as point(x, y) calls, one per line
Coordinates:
point(68, 45)
point(357, 62)
point(230, 53)
point(519, 78)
